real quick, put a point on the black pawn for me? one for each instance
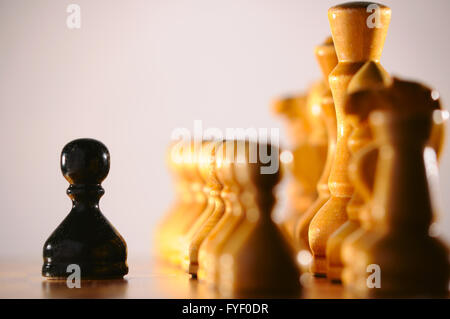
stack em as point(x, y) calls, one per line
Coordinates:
point(85, 237)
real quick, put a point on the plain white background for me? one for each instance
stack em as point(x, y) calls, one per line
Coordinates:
point(136, 70)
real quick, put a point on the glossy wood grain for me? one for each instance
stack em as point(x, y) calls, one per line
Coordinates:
point(21, 278)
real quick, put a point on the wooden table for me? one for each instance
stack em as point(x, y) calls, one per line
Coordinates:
point(21, 278)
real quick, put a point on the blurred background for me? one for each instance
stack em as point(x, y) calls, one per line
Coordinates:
point(136, 70)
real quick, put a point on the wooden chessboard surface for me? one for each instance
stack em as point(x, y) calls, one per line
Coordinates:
point(20, 278)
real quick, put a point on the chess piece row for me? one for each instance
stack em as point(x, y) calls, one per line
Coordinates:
point(219, 228)
point(374, 204)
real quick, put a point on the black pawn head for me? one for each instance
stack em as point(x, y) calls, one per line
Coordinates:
point(85, 161)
